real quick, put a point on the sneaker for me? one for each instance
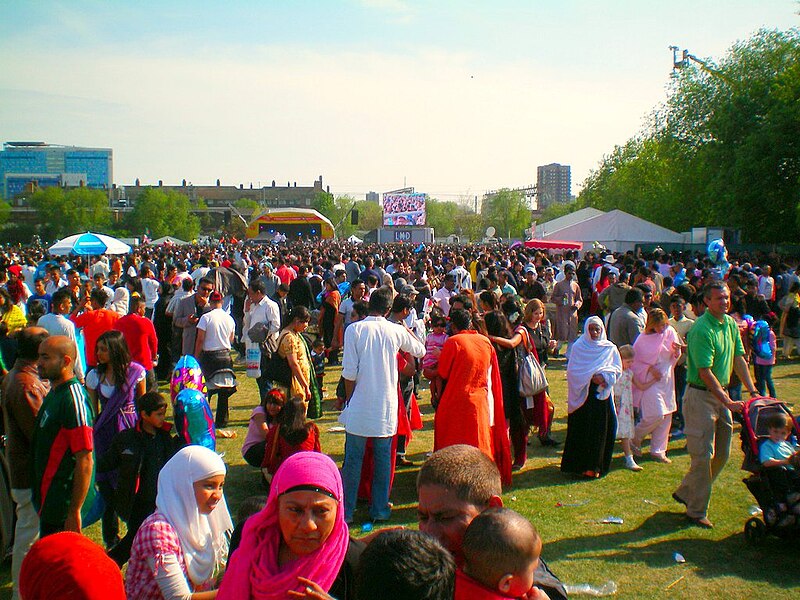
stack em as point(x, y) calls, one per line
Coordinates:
point(632, 465)
point(677, 435)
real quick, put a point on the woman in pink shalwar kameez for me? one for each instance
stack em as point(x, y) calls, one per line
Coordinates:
point(656, 350)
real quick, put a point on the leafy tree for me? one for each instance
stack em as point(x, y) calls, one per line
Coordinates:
point(508, 212)
point(5, 212)
point(164, 213)
point(247, 204)
point(72, 211)
point(557, 210)
point(324, 204)
point(723, 150)
point(370, 215)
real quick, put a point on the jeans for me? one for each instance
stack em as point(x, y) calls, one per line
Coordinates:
point(764, 380)
point(680, 389)
point(354, 446)
point(26, 532)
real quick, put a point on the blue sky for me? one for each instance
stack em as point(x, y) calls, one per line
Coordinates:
point(453, 97)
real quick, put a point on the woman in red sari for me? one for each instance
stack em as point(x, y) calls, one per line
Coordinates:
point(471, 407)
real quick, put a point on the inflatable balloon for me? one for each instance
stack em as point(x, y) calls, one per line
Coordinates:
point(718, 254)
point(194, 422)
point(761, 337)
point(187, 375)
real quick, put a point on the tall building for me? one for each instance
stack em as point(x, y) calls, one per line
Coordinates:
point(374, 197)
point(43, 165)
point(553, 185)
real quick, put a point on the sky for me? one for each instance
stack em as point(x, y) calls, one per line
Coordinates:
point(453, 98)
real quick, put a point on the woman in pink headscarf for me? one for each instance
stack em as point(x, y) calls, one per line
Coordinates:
point(299, 542)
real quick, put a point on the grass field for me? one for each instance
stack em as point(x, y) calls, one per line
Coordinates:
point(638, 555)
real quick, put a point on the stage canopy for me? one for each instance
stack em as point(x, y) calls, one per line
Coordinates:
point(294, 223)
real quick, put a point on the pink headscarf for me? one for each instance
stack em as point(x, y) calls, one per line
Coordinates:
point(253, 571)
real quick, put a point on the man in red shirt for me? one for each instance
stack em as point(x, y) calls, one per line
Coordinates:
point(95, 321)
point(140, 335)
point(285, 272)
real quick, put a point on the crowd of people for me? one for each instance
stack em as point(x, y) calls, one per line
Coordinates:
point(84, 342)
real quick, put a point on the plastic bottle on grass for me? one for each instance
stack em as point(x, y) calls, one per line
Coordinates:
point(609, 588)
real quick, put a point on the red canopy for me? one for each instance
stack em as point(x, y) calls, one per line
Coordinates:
point(556, 245)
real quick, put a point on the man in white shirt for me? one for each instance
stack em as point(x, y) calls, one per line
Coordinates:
point(462, 278)
point(369, 369)
point(258, 308)
point(55, 282)
point(212, 348)
point(150, 289)
point(444, 293)
point(57, 323)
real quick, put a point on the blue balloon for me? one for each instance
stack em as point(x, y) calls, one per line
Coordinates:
point(194, 421)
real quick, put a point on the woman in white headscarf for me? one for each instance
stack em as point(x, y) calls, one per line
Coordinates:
point(179, 549)
point(119, 304)
point(593, 368)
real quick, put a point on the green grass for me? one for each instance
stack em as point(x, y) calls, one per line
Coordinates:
point(637, 555)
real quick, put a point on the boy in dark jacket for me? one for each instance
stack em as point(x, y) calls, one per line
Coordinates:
point(138, 455)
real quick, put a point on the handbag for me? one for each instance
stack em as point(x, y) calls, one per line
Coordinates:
point(531, 377)
point(277, 368)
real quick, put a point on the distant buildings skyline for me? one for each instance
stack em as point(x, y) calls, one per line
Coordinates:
point(553, 185)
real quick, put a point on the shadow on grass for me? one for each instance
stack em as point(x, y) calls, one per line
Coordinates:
point(730, 556)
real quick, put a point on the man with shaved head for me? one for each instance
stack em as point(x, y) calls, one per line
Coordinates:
point(455, 485)
point(22, 396)
point(63, 468)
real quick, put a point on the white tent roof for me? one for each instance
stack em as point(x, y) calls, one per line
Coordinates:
point(548, 227)
point(616, 230)
point(354, 239)
point(170, 239)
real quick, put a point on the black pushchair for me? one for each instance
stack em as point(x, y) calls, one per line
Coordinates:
point(754, 430)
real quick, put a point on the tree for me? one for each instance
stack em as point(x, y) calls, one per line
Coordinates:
point(5, 212)
point(76, 210)
point(324, 204)
point(370, 215)
point(164, 213)
point(247, 204)
point(723, 150)
point(508, 212)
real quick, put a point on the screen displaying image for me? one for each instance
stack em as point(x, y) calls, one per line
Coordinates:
point(404, 209)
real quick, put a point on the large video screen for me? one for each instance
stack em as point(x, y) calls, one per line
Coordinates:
point(404, 209)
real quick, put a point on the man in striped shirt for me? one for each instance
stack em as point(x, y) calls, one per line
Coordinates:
point(62, 444)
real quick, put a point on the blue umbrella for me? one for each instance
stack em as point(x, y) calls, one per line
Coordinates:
point(89, 244)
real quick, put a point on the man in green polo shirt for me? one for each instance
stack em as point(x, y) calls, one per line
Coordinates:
point(62, 444)
point(714, 350)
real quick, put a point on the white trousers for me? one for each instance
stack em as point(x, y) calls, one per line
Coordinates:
point(25, 533)
point(658, 426)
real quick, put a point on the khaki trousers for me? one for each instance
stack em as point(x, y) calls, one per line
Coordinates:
point(708, 440)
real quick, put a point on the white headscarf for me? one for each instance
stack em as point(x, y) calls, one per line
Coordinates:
point(587, 358)
point(119, 304)
point(203, 537)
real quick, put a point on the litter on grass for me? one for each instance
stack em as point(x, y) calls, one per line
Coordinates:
point(572, 504)
point(650, 502)
point(607, 521)
point(679, 558)
point(754, 510)
point(366, 528)
point(336, 429)
point(671, 585)
point(609, 588)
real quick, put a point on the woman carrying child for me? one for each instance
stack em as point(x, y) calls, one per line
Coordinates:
point(263, 418)
point(433, 348)
point(656, 351)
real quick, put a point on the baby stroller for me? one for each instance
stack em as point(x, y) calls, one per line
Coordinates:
point(754, 430)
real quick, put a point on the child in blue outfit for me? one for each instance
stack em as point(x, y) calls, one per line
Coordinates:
point(779, 456)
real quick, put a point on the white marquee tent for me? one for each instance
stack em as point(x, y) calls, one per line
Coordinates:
point(616, 230)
